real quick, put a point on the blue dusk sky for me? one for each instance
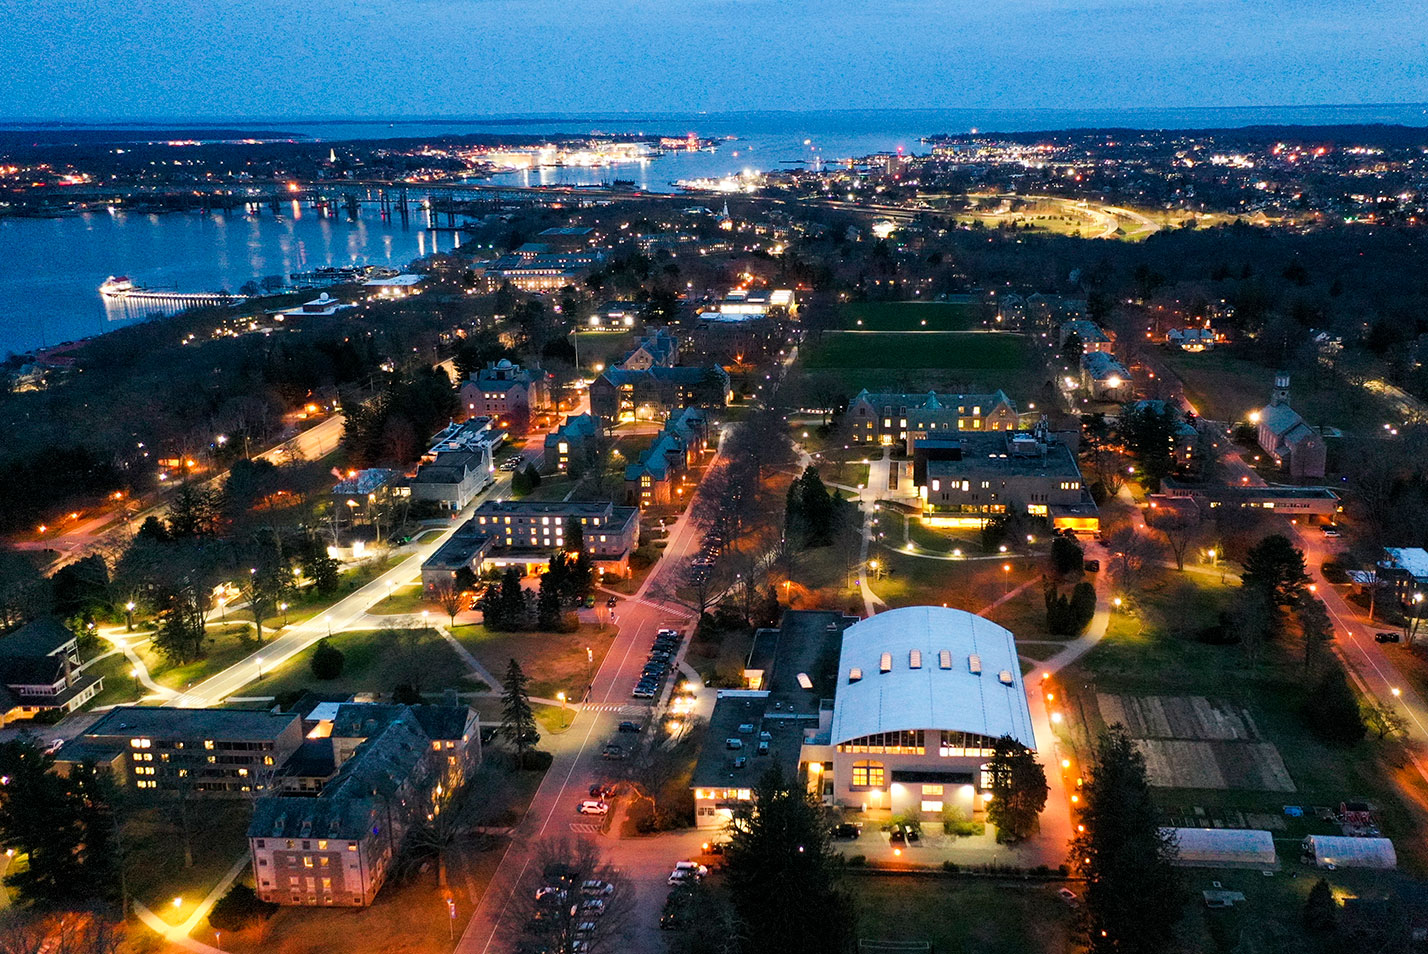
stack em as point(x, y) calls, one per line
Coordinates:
point(126, 59)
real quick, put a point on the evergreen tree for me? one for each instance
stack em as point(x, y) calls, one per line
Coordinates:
point(548, 603)
point(1133, 893)
point(62, 825)
point(327, 660)
point(1332, 711)
point(1066, 555)
point(1275, 567)
point(322, 569)
point(512, 600)
point(1321, 911)
point(779, 848)
point(518, 724)
point(1018, 790)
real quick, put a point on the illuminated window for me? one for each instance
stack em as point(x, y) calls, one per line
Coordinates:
point(868, 774)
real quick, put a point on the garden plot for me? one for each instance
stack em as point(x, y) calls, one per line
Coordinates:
point(1192, 742)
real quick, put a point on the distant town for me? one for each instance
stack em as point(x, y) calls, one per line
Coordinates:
point(1017, 546)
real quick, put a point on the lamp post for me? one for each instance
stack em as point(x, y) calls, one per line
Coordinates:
point(1006, 578)
point(424, 614)
point(260, 667)
point(561, 697)
point(129, 616)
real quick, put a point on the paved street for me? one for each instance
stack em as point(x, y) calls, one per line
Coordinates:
point(645, 862)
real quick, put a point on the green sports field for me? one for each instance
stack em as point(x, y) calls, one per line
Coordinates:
point(911, 316)
point(916, 361)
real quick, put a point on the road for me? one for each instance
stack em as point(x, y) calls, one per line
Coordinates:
point(1375, 675)
point(101, 531)
point(643, 862)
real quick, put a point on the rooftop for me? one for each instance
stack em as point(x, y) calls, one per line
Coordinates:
point(928, 667)
point(172, 722)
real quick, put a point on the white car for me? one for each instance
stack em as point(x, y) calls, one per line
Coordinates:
point(594, 807)
point(595, 889)
point(687, 871)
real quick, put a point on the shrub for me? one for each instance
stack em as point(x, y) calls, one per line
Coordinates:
point(1332, 711)
point(1066, 555)
point(537, 761)
point(956, 822)
point(239, 908)
point(858, 861)
point(327, 660)
point(950, 867)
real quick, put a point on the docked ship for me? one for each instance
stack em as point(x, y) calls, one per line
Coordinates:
point(117, 286)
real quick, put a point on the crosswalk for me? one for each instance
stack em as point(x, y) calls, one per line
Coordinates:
point(605, 707)
point(584, 828)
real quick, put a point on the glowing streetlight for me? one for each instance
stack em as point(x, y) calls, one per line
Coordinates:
point(129, 616)
point(1396, 692)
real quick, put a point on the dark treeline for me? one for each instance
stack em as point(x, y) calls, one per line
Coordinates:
point(138, 394)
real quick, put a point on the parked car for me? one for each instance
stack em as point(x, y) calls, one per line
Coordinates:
point(1092, 566)
point(1331, 532)
point(601, 790)
point(613, 602)
point(597, 889)
point(1067, 895)
point(1386, 637)
point(550, 894)
point(847, 831)
point(628, 726)
point(594, 906)
point(612, 752)
point(593, 807)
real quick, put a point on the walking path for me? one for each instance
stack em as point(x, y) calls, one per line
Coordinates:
point(179, 933)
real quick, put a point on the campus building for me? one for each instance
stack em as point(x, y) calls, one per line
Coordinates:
point(41, 671)
point(906, 723)
point(659, 350)
point(577, 439)
point(965, 480)
point(657, 478)
point(1105, 378)
point(1287, 437)
point(507, 393)
point(526, 533)
point(453, 479)
point(923, 693)
point(893, 418)
point(628, 395)
point(204, 752)
point(395, 767)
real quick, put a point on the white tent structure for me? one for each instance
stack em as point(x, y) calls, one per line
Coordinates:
point(1340, 852)
point(1225, 847)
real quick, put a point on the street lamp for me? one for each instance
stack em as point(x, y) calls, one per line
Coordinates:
point(424, 614)
point(561, 697)
point(260, 666)
point(284, 608)
point(1006, 578)
point(129, 616)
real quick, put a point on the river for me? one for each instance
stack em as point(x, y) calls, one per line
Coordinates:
point(50, 269)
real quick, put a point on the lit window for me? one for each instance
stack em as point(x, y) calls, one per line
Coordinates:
point(869, 774)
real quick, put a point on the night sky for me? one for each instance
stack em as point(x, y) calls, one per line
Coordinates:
point(100, 59)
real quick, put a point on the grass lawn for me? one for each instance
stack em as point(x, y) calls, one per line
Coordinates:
point(970, 585)
point(909, 316)
point(1226, 388)
point(1155, 652)
point(603, 347)
point(404, 600)
point(119, 686)
point(920, 360)
point(376, 661)
point(959, 915)
point(154, 851)
point(555, 662)
point(227, 643)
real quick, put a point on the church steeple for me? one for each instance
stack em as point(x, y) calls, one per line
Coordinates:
point(1280, 394)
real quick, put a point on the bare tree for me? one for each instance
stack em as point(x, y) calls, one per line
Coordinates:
point(1181, 528)
point(1130, 551)
point(577, 903)
point(451, 599)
